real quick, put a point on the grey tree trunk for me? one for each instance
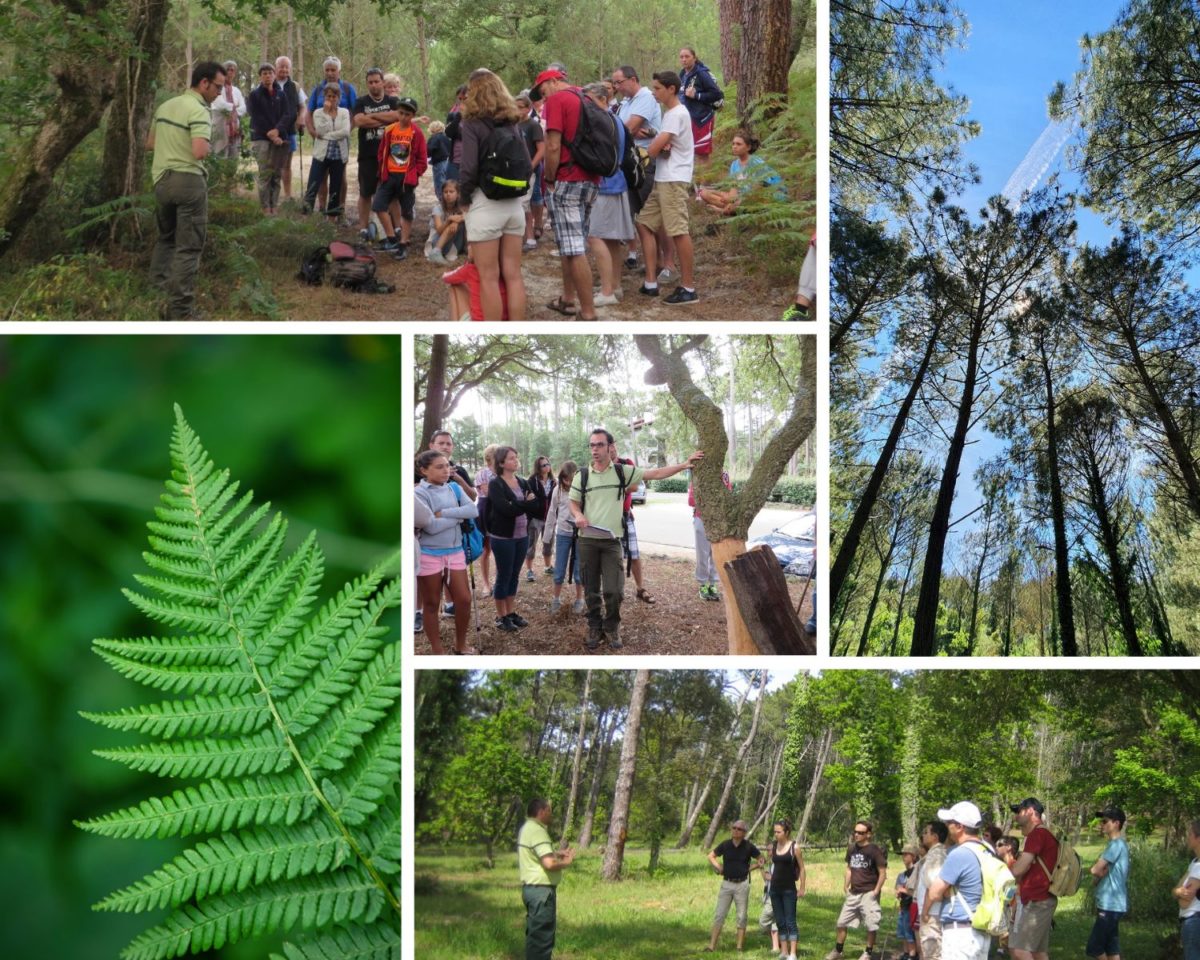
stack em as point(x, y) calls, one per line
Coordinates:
point(614, 850)
point(577, 763)
point(737, 765)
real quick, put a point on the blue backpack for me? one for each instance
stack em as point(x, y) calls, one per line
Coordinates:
point(472, 536)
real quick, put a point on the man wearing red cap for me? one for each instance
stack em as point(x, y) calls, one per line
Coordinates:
point(574, 190)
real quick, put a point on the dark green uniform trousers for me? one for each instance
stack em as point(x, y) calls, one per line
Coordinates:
point(540, 918)
point(182, 215)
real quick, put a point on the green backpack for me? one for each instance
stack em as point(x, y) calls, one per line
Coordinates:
point(999, 888)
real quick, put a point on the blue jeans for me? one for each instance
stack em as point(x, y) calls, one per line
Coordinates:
point(562, 550)
point(783, 903)
point(508, 555)
point(1104, 939)
point(1189, 935)
point(439, 177)
point(812, 621)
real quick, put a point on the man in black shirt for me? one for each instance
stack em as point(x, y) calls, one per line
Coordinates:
point(371, 114)
point(738, 856)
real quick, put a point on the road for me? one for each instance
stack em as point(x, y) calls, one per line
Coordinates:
point(664, 524)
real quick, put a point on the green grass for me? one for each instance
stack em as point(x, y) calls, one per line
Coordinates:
point(467, 912)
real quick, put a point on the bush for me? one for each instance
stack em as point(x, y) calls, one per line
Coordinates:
point(797, 490)
point(82, 285)
point(670, 485)
point(1153, 873)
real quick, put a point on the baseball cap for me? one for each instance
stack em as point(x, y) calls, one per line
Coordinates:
point(1112, 813)
point(1028, 802)
point(407, 103)
point(544, 76)
point(964, 812)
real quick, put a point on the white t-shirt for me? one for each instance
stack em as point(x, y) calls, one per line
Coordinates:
point(677, 164)
point(1194, 907)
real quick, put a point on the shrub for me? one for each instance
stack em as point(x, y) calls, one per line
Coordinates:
point(1153, 872)
point(670, 485)
point(80, 285)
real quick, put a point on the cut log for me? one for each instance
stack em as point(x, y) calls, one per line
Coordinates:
point(761, 594)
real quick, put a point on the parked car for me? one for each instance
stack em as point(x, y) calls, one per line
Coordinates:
point(794, 544)
point(639, 495)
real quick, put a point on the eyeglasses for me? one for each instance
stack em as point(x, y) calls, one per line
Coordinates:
point(862, 833)
point(602, 443)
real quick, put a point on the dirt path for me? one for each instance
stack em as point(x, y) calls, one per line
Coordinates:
point(679, 622)
point(728, 290)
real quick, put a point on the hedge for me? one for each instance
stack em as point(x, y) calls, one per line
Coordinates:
point(797, 490)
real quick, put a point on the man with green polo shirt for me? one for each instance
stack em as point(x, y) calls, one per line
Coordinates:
point(180, 138)
point(541, 868)
point(597, 507)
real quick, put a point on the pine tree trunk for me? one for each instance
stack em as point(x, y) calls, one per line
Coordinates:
point(1062, 559)
point(435, 388)
point(729, 15)
point(577, 763)
point(1111, 543)
point(738, 762)
point(884, 565)
point(766, 42)
point(614, 849)
point(810, 800)
point(601, 764)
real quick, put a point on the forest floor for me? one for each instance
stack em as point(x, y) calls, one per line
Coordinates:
point(729, 281)
point(679, 622)
point(464, 911)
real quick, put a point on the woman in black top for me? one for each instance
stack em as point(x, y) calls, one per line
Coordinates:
point(787, 882)
point(510, 504)
point(541, 482)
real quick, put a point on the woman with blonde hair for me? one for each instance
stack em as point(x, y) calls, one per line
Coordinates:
point(495, 228)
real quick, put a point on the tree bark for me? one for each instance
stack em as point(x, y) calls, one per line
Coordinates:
point(885, 563)
point(729, 15)
point(718, 814)
point(601, 764)
point(1062, 559)
point(810, 800)
point(766, 43)
point(577, 763)
point(435, 388)
point(124, 164)
point(614, 850)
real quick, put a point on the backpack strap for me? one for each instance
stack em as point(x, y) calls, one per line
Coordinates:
point(583, 478)
point(1042, 864)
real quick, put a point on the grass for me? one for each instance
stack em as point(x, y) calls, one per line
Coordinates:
point(467, 912)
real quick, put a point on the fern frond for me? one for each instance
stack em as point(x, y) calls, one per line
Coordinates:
point(353, 943)
point(291, 719)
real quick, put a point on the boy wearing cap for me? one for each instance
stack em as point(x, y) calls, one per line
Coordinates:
point(960, 885)
point(1112, 898)
point(1030, 940)
point(402, 160)
point(734, 867)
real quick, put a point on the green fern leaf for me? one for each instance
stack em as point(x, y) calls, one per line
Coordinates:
point(288, 718)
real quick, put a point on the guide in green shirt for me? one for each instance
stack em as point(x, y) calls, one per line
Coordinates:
point(540, 867)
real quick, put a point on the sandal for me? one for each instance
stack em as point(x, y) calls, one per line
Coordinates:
point(469, 652)
point(558, 305)
point(644, 596)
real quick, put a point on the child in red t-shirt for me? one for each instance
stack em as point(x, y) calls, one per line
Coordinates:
point(465, 301)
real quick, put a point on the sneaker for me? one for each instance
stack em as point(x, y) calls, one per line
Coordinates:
point(865, 955)
point(593, 638)
point(605, 300)
point(529, 245)
point(617, 292)
point(614, 639)
point(795, 312)
point(504, 624)
point(372, 231)
point(555, 605)
point(665, 275)
point(578, 606)
point(452, 256)
point(364, 235)
point(517, 620)
point(448, 610)
point(436, 256)
point(631, 262)
point(401, 252)
point(833, 955)
point(648, 291)
point(682, 296)
point(549, 571)
point(389, 244)
point(529, 577)
point(419, 622)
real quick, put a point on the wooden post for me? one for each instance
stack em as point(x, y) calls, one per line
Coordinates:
point(760, 591)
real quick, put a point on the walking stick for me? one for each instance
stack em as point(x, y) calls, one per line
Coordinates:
point(471, 576)
point(807, 584)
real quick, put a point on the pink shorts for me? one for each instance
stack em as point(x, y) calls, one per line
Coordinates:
point(433, 563)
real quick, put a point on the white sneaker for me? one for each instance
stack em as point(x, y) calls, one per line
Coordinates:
point(605, 300)
point(452, 256)
point(529, 245)
point(578, 606)
point(665, 275)
point(833, 955)
point(555, 605)
point(866, 955)
point(435, 256)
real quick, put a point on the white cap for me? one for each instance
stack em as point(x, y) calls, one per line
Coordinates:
point(964, 812)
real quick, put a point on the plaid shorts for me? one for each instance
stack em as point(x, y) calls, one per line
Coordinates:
point(569, 215)
point(633, 544)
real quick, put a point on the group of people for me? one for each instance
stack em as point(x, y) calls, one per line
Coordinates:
point(958, 871)
point(500, 164)
point(582, 516)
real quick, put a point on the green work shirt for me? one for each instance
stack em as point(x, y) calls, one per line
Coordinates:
point(603, 507)
point(533, 843)
point(177, 123)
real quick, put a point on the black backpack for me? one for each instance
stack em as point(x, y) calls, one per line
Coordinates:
point(504, 167)
point(596, 146)
point(348, 265)
point(622, 486)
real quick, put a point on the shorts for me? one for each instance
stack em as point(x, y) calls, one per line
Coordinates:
point(1032, 932)
point(702, 137)
point(667, 207)
point(904, 927)
point(489, 219)
point(394, 188)
point(965, 943)
point(634, 554)
point(291, 143)
point(432, 563)
point(1104, 939)
point(611, 219)
point(368, 172)
point(570, 215)
point(860, 906)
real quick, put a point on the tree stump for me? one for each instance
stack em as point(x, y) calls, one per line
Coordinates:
point(761, 594)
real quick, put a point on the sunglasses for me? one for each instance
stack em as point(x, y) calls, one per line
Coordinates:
point(862, 833)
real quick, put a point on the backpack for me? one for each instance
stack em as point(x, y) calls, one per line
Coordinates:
point(1064, 880)
point(596, 147)
point(504, 167)
point(622, 486)
point(345, 265)
point(472, 535)
point(999, 888)
point(634, 164)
